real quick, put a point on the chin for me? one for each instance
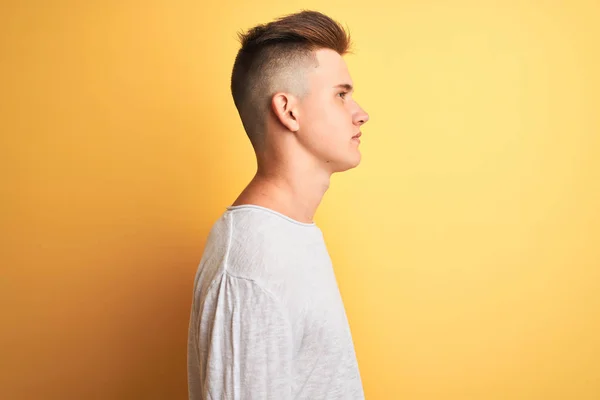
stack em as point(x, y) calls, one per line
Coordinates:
point(348, 164)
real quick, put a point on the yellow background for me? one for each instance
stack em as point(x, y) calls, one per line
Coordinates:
point(466, 245)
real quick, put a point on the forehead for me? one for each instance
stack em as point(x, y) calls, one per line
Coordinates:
point(331, 70)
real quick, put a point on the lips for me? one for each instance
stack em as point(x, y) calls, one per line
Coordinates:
point(359, 134)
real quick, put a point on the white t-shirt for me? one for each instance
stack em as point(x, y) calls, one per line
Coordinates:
point(267, 319)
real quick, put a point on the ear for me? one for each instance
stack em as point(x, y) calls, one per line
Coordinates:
point(285, 107)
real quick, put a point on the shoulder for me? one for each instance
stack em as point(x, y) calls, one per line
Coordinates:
point(231, 295)
point(262, 242)
point(238, 287)
point(260, 246)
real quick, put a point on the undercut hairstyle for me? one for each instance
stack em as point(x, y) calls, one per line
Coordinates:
point(276, 57)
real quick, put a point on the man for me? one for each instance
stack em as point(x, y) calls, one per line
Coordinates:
point(267, 320)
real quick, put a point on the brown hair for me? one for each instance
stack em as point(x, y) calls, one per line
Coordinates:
point(283, 46)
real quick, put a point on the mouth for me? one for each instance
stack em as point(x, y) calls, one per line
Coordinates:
point(358, 135)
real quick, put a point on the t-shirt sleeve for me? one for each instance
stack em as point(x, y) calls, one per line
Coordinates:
point(246, 342)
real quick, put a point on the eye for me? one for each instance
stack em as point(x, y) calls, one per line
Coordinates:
point(342, 94)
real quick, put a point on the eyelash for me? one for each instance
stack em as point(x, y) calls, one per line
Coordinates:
point(342, 94)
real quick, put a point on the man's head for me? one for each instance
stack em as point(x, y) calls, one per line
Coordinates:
point(292, 89)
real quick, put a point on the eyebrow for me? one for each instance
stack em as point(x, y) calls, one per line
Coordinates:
point(345, 86)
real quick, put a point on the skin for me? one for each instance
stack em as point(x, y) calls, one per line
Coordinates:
point(307, 139)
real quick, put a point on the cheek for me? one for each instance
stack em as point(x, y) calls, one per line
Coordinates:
point(327, 122)
point(320, 117)
point(334, 116)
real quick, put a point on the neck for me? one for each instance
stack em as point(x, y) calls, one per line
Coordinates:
point(294, 192)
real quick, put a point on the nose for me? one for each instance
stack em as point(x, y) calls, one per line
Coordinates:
point(361, 116)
